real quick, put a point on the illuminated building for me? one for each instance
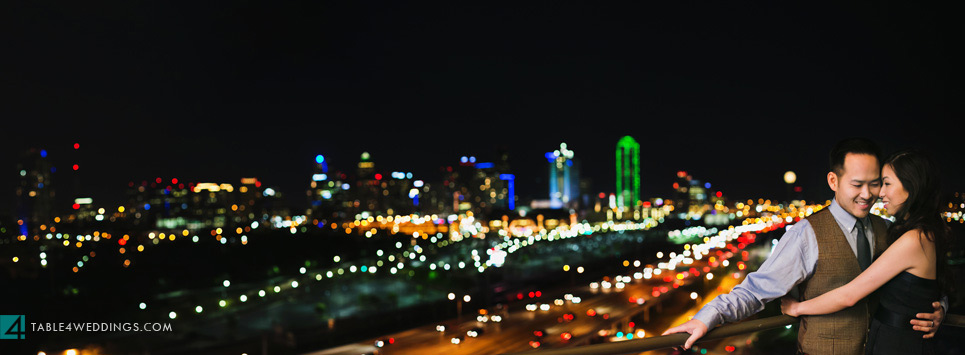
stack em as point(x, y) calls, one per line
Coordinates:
point(510, 191)
point(402, 193)
point(461, 186)
point(254, 202)
point(173, 204)
point(35, 193)
point(327, 190)
point(366, 166)
point(692, 195)
point(564, 186)
point(162, 202)
point(482, 188)
point(439, 198)
point(681, 187)
point(367, 192)
point(485, 188)
point(470, 184)
point(628, 172)
point(210, 204)
point(698, 192)
point(495, 189)
point(450, 195)
point(504, 172)
point(372, 192)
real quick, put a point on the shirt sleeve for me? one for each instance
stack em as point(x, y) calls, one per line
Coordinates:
point(791, 262)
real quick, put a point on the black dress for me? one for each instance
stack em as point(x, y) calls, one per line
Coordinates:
point(902, 298)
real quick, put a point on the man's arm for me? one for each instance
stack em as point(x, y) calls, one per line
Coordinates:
point(791, 263)
point(900, 256)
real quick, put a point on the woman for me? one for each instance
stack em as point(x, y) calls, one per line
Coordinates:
point(913, 261)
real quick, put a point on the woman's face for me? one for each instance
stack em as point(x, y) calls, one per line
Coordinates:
point(892, 193)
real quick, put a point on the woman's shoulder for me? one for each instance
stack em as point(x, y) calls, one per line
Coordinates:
point(917, 249)
point(915, 237)
point(915, 234)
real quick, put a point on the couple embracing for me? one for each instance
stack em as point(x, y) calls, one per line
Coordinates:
point(859, 283)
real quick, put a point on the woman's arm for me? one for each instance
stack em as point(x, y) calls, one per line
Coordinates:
point(900, 256)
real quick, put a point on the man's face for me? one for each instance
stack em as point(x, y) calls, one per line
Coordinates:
point(856, 189)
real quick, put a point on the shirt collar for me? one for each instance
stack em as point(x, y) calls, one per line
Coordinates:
point(843, 217)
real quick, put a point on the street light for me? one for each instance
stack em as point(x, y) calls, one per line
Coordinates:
point(566, 269)
point(466, 298)
point(789, 177)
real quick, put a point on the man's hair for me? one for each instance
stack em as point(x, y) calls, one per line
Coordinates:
point(847, 146)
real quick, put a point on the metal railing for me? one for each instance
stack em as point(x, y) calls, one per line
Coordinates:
point(671, 340)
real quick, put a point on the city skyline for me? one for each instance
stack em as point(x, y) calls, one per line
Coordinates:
point(293, 181)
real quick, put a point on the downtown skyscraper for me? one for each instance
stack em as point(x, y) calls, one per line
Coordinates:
point(627, 172)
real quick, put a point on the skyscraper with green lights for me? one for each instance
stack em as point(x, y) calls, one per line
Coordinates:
point(628, 172)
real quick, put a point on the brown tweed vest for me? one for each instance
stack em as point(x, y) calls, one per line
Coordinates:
point(845, 331)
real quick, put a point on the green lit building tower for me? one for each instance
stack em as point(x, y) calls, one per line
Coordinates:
point(628, 172)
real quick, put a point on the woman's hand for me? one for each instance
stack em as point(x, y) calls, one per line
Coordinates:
point(789, 306)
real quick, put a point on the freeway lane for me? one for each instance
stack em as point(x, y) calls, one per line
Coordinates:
point(609, 309)
point(671, 295)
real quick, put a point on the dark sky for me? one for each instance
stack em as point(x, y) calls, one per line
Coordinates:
point(735, 93)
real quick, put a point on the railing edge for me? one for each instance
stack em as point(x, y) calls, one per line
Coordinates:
point(671, 340)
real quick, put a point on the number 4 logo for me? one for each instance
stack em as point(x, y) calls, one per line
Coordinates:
point(13, 327)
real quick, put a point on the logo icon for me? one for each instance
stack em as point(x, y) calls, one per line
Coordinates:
point(13, 327)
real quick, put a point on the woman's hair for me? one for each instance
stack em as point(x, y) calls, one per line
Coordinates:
point(919, 175)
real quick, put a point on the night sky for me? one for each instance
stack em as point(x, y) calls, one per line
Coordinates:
point(731, 92)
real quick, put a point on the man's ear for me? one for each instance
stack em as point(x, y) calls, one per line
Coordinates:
point(833, 181)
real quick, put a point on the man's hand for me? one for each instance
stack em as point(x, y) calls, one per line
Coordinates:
point(694, 327)
point(929, 322)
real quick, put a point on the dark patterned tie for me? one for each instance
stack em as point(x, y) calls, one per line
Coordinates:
point(864, 248)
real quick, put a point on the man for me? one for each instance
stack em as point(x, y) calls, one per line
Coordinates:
point(818, 254)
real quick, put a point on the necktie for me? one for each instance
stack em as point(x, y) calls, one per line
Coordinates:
point(864, 248)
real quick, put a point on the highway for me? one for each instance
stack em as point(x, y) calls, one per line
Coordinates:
point(601, 309)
